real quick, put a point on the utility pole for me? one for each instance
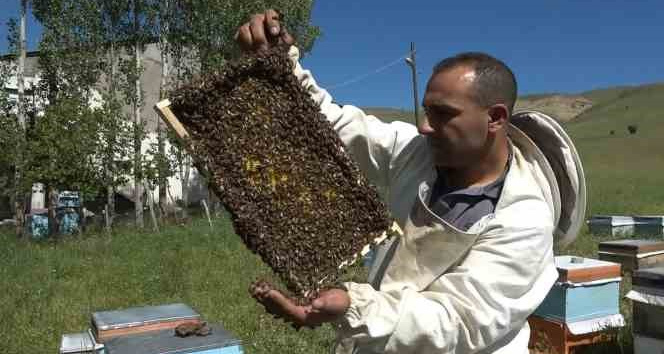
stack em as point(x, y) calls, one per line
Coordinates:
point(413, 66)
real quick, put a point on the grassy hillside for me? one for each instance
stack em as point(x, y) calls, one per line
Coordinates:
point(390, 114)
point(623, 170)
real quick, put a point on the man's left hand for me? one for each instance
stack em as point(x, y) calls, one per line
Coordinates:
point(329, 306)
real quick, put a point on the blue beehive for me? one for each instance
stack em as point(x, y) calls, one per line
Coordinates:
point(586, 289)
point(69, 204)
point(36, 224)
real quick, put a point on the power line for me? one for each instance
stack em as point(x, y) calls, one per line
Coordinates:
point(370, 73)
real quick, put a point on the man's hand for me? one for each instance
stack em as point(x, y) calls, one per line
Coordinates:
point(262, 32)
point(329, 306)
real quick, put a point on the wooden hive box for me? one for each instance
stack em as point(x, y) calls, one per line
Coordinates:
point(615, 225)
point(647, 297)
point(110, 324)
point(649, 225)
point(633, 254)
point(586, 289)
point(219, 341)
point(648, 345)
point(552, 337)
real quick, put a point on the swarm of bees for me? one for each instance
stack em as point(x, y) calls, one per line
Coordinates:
point(295, 196)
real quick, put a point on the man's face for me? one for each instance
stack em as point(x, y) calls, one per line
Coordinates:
point(456, 126)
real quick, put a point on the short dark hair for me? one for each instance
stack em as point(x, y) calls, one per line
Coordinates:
point(494, 82)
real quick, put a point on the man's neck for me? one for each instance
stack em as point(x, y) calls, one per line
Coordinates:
point(482, 172)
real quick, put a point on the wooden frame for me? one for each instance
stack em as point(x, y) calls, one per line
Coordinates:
point(163, 109)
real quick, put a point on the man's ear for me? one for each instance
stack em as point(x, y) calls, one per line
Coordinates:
point(498, 117)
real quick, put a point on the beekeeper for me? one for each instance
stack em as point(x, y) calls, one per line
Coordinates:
point(481, 194)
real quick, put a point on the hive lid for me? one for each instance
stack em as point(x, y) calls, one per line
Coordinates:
point(139, 316)
point(631, 246)
point(578, 269)
point(162, 342)
point(650, 219)
point(596, 324)
point(611, 220)
point(649, 278)
point(78, 343)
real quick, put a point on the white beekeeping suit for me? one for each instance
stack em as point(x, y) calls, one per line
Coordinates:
point(438, 289)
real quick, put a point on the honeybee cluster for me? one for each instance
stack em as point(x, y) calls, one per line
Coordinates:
point(295, 196)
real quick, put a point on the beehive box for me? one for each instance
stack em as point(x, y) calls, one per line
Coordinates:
point(295, 196)
point(110, 324)
point(633, 254)
point(647, 345)
point(647, 297)
point(80, 343)
point(615, 225)
point(553, 337)
point(649, 225)
point(219, 341)
point(586, 289)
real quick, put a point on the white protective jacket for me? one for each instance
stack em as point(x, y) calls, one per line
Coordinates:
point(438, 289)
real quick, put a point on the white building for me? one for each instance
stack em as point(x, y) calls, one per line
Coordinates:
point(150, 80)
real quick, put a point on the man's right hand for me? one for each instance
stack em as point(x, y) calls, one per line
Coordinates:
point(262, 32)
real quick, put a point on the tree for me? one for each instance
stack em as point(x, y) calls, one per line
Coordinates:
point(19, 195)
point(9, 134)
point(115, 134)
point(72, 57)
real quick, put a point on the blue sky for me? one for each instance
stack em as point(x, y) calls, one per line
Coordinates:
point(552, 45)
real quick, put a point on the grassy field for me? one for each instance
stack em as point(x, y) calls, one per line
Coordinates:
point(51, 288)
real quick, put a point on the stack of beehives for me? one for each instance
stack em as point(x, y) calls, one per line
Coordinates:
point(647, 297)
point(582, 307)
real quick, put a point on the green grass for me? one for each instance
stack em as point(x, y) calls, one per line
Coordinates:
point(52, 288)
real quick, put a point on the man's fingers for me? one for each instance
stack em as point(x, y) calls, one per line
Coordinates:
point(257, 28)
point(272, 24)
point(286, 37)
point(244, 37)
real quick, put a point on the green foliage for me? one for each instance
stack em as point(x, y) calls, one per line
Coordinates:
point(61, 147)
point(114, 143)
point(207, 27)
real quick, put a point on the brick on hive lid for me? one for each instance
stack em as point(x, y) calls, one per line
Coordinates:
point(633, 253)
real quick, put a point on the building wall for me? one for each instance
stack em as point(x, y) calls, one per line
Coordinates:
point(150, 81)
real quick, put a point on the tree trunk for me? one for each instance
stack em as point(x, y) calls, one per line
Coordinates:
point(161, 129)
point(53, 225)
point(110, 156)
point(81, 214)
point(138, 184)
point(185, 186)
point(150, 201)
point(19, 198)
